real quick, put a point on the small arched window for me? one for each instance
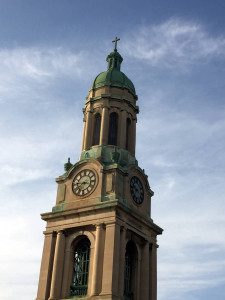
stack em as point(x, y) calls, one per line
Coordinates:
point(96, 132)
point(113, 128)
point(79, 284)
point(128, 133)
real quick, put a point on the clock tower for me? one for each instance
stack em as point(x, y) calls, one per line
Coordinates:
point(100, 239)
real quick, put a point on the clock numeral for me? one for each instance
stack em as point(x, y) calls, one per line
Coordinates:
point(76, 191)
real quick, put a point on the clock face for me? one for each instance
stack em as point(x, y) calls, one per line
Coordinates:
point(84, 182)
point(136, 190)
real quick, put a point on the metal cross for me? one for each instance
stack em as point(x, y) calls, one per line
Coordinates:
point(115, 41)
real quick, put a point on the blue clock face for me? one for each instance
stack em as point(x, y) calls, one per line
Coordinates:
point(136, 190)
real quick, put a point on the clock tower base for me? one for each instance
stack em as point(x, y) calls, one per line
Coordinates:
point(113, 231)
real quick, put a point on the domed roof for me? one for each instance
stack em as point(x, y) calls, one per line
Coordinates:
point(113, 76)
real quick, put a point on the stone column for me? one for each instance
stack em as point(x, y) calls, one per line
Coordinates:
point(145, 272)
point(122, 260)
point(67, 279)
point(111, 260)
point(57, 266)
point(104, 126)
point(97, 268)
point(138, 276)
point(84, 130)
point(88, 130)
point(46, 266)
point(153, 273)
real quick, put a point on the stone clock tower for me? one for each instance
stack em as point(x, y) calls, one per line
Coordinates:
point(100, 239)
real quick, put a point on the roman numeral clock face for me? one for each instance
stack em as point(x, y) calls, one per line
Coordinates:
point(136, 190)
point(84, 183)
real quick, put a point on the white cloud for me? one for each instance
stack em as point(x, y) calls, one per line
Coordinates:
point(30, 71)
point(42, 62)
point(173, 44)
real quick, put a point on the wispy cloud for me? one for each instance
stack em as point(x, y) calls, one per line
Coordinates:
point(173, 44)
point(40, 62)
point(33, 69)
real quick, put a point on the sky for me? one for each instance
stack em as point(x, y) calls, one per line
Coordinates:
point(174, 53)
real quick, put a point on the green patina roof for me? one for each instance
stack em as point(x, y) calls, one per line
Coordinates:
point(113, 76)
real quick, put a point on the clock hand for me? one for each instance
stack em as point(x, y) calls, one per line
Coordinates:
point(80, 183)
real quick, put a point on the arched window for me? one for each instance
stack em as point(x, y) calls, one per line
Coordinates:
point(113, 128)
point(96, 132)
point(128, 133)
point(79, 284)
point(129, 271)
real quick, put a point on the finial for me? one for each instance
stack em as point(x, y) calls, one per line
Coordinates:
point(115, 41)
point(67, 165)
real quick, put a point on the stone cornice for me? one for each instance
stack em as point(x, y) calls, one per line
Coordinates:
point(116, 97)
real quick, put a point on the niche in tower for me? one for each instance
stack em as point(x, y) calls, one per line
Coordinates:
point(113, 129)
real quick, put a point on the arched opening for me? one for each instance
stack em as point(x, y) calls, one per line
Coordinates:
point(81, 263)
point(128, 133)
point(130, 275)
point(96, 132)
point(113, 129)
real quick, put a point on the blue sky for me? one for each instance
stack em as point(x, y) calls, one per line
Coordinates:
point(173, 51)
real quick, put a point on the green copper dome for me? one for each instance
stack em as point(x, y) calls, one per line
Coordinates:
point(113, 76)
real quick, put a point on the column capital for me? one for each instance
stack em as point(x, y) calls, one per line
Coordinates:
point(61, 232)
point(123, 227)
point(146, 242)
point(99, 225)
point(123, 109)
point(47, 233)
point(112, 223)
point(105, 106)
point(153, 244)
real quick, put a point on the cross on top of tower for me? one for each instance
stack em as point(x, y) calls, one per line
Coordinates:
point(115, 41)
